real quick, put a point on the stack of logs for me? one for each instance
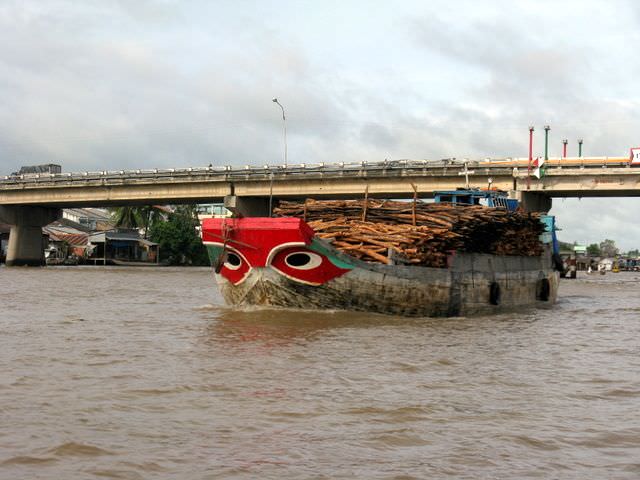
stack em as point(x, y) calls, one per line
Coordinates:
point(417, 233)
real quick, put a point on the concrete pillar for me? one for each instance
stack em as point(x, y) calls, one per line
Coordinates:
point(25, 246)
point(534, 201)
point(248, 206)
point(25, 239)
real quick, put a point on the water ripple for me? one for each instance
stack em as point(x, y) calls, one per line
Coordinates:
point(158, 379)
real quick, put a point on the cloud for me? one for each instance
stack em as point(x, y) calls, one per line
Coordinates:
point(107, 85)
point(116, 99)
point(591, 220)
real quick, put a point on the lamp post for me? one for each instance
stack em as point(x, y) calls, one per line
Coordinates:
point(580, 148)
point(284, 128)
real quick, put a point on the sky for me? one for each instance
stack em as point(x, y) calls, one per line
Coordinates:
point(105, 85)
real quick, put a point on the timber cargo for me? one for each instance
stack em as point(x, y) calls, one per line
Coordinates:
point(397, 258)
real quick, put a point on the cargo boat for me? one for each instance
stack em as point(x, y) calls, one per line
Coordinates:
point(281, 262)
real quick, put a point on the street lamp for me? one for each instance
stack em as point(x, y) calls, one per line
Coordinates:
point(284, 128)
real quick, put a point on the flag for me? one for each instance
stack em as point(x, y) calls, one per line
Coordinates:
point(539, 167)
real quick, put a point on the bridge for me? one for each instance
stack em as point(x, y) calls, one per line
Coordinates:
point(31, 201)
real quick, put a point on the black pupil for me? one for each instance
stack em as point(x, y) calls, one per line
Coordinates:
point(298, 259)
point(233, 259)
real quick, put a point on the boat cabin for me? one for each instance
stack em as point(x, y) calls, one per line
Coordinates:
point(497, 198)
point(473, 196)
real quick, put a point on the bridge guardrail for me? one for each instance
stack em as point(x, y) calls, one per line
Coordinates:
point(302, 168)
point(227, 172)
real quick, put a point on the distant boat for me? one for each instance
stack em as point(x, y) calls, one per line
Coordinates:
point(53, 261)
point(126, 263)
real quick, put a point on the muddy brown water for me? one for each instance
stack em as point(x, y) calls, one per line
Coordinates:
point(143, 373)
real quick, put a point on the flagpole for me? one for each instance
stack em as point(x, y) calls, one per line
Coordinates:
point(546, 142)
point(546, 152)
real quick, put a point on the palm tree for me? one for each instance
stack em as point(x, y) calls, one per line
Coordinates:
point(137, 217)
point(151, 214)
point(126, 217)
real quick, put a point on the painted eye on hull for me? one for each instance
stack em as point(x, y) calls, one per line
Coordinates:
point(235, 267)
point(233, 261)
point(304, 266)
point(303, 260)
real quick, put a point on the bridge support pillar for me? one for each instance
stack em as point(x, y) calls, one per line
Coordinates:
point(534, 201)
point(248, 206)
point(25, 238)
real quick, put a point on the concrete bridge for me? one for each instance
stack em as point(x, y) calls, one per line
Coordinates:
point(29, 202)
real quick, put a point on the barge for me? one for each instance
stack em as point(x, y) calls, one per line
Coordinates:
point(282, 262)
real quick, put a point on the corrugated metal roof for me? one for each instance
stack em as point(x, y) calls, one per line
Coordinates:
point(147, 242)
point(118, 236)
point(61, 228)
point(75, 240)
point(93, 213)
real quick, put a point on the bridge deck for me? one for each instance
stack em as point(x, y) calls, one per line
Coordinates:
point(564, 178)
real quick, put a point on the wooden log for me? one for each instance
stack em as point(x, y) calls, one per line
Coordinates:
point(423, 232)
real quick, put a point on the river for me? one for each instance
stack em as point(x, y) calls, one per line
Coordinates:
point(143, 373)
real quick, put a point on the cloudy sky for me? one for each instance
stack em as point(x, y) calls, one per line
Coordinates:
point(99, 84)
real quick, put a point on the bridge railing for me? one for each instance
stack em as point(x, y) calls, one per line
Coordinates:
point(228, 172)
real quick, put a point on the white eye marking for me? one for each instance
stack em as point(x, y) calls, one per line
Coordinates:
point(233, 261)
point(303, 260)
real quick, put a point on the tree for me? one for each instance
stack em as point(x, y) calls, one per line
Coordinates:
point(126, 217)
point(608, 248)
point(178, 239)
point(593, 250)
point(136, 217)
point(565, 246)
point(150, 216)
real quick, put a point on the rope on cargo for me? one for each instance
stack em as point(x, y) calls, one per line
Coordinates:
point(226, 233)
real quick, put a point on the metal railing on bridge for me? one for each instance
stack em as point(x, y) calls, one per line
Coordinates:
point(237, 171)
point(227, 172)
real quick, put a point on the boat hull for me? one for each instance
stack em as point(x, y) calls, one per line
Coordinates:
point(473, 284)
point(467, 288)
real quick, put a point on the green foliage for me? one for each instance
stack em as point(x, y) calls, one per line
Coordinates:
point(136, 217)
point(150, 216)
point(593, 250)
point(565, 246)
point(178, 239)
point(608, 248)
point(126, 217)
point(633, 253)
